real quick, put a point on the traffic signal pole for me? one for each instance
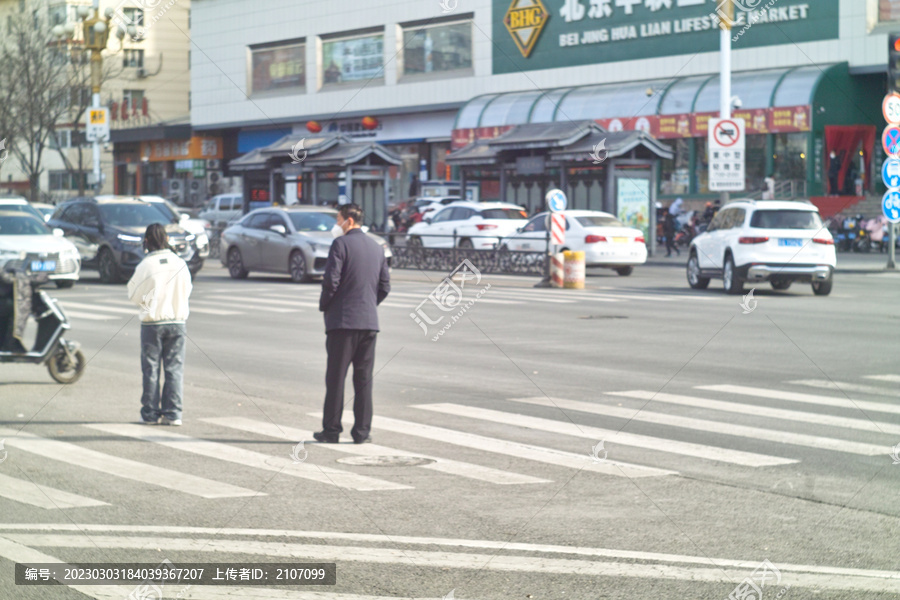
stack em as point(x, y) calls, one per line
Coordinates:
point(726, 14)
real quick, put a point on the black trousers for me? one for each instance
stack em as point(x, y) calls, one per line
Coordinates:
point(346, 347)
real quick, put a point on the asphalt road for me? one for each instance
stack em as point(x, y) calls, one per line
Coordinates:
point(729, 437)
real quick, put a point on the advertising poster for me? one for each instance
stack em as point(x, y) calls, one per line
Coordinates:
point(353, 59)
point(633, 203)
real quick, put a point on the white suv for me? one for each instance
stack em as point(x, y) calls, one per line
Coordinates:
point(752, 241)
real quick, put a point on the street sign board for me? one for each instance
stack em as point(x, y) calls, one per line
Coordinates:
point(97, 129)
point(890, 206)
point(556, 200)
point(557, 229)
point(727, 158)
point(891, 108)
point(890, 172)
point(890, 140)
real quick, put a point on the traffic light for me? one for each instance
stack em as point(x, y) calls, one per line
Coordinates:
point(894, 62)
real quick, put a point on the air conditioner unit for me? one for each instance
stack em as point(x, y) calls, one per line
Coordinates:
point(213, 164)
point(176, 190)
point(196, 185)
point(214, 182)
point(141, 72)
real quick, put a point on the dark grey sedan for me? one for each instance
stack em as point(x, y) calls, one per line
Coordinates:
point(294, 240)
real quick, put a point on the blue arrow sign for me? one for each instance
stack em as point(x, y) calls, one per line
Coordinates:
point(890, 205)
point(890, 172)
point(556, 200)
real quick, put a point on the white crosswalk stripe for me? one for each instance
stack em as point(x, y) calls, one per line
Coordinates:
point(42, 496)
point(844, 387)
point(844, 402)
point(85, 458)
point(763, 411)
point(715, 453)
point(444, 465)
point(720, 427)
point(888, 378)
point(248, 458)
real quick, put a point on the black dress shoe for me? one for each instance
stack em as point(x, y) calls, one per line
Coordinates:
point(365, 440)
point(326, 438)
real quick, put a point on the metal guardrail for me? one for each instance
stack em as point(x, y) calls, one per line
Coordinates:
point(499, 260)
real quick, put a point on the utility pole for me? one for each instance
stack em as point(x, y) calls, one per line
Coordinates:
point(96, 34)
point(726, 20)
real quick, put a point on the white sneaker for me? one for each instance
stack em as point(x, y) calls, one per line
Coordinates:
point(164, 420)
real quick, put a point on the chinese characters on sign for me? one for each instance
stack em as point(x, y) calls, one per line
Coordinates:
point(727, 160)
point(198, 148)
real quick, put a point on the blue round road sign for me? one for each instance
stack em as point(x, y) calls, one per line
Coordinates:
point(890, 172)
point(556, 200)
point(890, 205)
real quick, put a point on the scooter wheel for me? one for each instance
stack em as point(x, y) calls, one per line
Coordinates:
point(65, 371)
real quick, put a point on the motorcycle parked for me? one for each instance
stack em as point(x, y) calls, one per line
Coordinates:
point(21, 300)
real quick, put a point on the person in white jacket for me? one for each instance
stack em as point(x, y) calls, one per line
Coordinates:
point(161, 286)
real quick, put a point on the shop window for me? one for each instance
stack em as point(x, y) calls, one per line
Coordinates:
point(277, 67)
point(676, 175)
point(352, 59)
point(444, 48)
point(790, 156)
point(756, 163)
point(133, 16)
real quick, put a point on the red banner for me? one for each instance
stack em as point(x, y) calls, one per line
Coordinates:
point(756, 120)
point(648, 124)
point(789, 119)
point(675, 126)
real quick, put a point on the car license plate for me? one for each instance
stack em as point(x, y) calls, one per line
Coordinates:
point(790, 242)
point(43, 265)
point(620, 240)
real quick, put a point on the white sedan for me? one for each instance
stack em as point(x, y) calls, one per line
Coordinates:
point(25, 237)
point(478, 225)
point(606, 242)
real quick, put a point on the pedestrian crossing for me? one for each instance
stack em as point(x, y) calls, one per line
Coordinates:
point(288, 299)
point(551, 441)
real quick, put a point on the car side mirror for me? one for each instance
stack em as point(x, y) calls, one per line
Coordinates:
point(184, 217)
point(280, 229)
point(427, 220)
point(365, 228)
point(58, 232)
point(520, 230)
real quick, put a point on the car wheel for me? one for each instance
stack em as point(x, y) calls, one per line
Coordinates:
point(64, 284)
point(236, 265)
point(822, 288)
point(780, 284)
point(731, 281)
point(109, 270)
point(625, 271)
point(466, 243)
point(693, 274)
point(297, 267)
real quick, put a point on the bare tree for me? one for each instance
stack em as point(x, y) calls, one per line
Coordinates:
point(38, 81)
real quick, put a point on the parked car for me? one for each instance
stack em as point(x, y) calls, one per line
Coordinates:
point(109, 234)
point(754, 241)
point(606, 242)
point(24, 235)
point(19, 204)
point(173, 212)
point(223, 209)
point(472, 224)
point(293, 240)
point(45, 209)
point(428, 206)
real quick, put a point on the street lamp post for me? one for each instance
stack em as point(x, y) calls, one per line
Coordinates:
point(725, 99)
point(95, 30)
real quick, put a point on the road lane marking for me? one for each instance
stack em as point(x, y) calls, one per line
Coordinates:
point(90, 316)
point(248, 307)
point(549, 456)
point(886, 581)
point(254, 300)
point(96, 306)
point(420, 297)
point(443, 465)
point(385, 540)
point(844, 387)
point(248, 458)
point(42, 496)
point(738, 457)
point(122, 467)
point(719, 427)
point(889, 378)
point(805, 398)
point(764, 411)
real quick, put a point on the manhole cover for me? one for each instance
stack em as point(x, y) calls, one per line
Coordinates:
point(386, 461)
point(603, 317)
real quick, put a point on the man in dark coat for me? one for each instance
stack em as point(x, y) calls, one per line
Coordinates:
point(356, 282)
point(669, 231)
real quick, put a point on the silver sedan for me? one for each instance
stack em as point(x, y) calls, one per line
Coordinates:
point(293, 240)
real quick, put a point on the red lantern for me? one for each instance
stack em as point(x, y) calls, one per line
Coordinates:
point(369, 123)
point(313, 126)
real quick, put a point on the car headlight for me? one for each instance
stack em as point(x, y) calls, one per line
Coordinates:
point(130, 239)
point(8, 254)
point(321, 247)
point(189, 237)
point(202, 239)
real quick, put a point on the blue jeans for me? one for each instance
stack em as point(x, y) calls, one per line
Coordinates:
point(162, 346)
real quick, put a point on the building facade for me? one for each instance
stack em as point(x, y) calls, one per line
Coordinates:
point(429, 77)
